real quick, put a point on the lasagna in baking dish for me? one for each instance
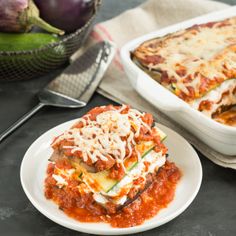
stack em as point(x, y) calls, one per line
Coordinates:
point(197, 64)
point(111, 166)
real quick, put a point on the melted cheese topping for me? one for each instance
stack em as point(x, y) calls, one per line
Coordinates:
point(106, 136)
point(202, 52)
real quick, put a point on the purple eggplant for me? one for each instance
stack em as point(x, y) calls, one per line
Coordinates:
point(68, 15)
point(20, 16)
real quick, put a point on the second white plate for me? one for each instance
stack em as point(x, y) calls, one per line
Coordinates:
point(33, 173)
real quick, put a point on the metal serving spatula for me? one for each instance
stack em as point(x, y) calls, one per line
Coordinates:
point(76, 85)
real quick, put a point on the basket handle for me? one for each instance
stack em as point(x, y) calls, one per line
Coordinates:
point(97, 4)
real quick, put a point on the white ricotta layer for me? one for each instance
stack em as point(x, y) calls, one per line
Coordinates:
point(215, 96)
point(156, 160)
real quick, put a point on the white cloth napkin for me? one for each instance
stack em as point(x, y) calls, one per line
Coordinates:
point(150, 16)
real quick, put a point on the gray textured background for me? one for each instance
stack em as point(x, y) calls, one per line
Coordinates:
point(112, 8)
point(213, 212)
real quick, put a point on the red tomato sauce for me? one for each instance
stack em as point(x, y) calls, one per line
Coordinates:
point(84, 209)
point(228, 117)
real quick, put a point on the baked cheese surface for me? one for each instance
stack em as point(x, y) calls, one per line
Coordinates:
point(194, 61)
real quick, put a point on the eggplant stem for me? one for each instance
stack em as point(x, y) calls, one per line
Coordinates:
point(44, 25)
point(34, 19)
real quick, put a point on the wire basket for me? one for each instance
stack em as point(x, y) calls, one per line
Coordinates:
point(19, 65)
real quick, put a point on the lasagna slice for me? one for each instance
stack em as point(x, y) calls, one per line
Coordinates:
point(112, 154)
point(197, 64)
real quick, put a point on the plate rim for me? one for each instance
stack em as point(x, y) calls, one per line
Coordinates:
point(113, 231)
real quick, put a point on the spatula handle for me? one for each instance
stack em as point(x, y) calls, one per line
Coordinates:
point(20, 121)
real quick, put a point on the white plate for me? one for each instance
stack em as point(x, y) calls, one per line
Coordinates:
point(33, 172)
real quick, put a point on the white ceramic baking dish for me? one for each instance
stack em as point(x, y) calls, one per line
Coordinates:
point(220, 137)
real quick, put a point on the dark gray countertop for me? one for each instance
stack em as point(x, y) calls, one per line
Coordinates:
point(213, 212)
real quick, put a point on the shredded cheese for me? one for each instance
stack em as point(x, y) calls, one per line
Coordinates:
point(107, 136)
